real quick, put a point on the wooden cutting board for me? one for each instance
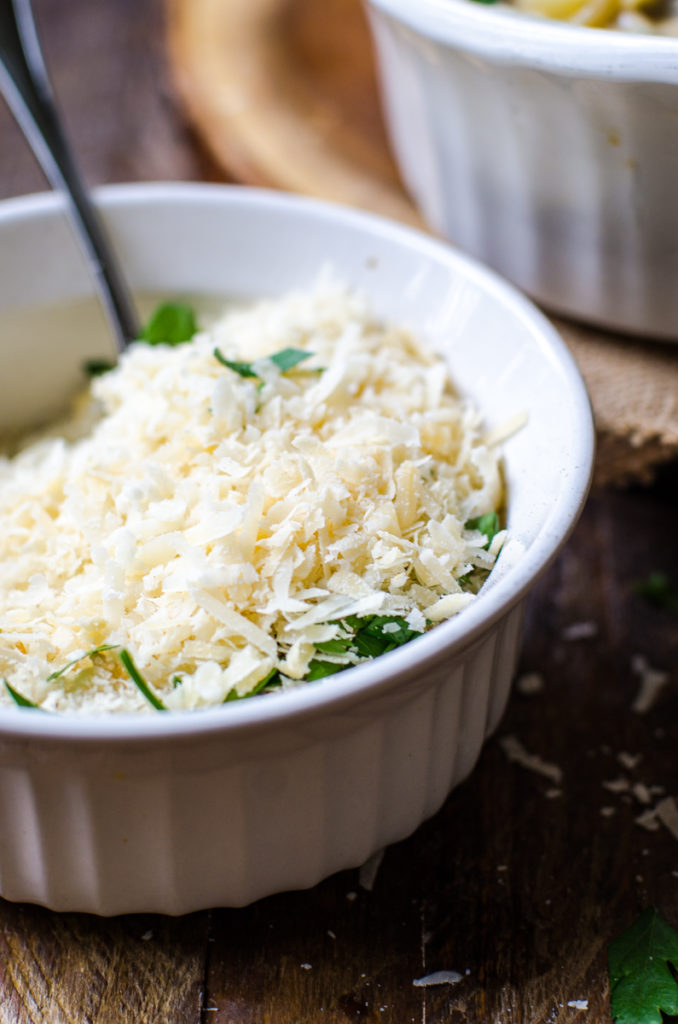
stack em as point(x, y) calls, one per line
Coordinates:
point(283, 93)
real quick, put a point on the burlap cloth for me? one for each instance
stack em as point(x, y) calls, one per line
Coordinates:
point(633, 386)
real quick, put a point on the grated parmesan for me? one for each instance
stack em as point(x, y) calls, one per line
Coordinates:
point(218, 526)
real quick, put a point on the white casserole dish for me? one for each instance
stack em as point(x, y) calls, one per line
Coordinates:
point(172, 813)
point(547, 150)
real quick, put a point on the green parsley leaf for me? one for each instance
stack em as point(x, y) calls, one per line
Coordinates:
point(642, 963)
point(402, 635)
point(353, 622)
point(339, 645)
point(285, 360)
point(172, 323)
point(658, 590)
point(90, 654)
point(272, 681)
point(319, 669)
point(487, 525)
point(368, 636)
point(243, 369)
point(140, 682)
point(368, 646)
point(379, 634)
point(288, 358)
point(97, 367)
point(19, 699)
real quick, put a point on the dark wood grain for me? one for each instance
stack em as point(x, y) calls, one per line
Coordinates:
point(517, 889)
point(72, 968)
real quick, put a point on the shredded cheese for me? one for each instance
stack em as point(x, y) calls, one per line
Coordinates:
point(218, 526)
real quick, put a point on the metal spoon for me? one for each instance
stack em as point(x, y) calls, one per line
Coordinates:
point(26, 87)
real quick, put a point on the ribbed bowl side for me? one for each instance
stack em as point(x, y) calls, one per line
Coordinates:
point(209, 823)
point(564, 184)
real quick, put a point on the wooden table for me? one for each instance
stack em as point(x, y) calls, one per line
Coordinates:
point(518, 884)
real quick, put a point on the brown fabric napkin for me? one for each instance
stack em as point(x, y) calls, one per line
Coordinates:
point(633, 386)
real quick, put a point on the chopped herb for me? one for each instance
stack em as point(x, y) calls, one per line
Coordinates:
point(368, 646)
point(19, 699)
point(340, 645)
point(319, 669)
point(367, 636)
point(243, 369)
point(658, 590)
point(375, 626)
point(97, 367)
point(272, 681)
point(90, 654)
point(288, 358)
point(642, 966)
point(353, 622)
point(140, 682)
point(172, 323)
point(378, 634)
point(488, 525)
point(285, 360)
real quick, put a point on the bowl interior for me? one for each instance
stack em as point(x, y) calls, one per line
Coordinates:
point(226, 242)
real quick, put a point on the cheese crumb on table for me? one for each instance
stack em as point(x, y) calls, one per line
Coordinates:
point(516, 752)
point(367, 875)
point(530, 683)
point(438, 978)
point(580, 631)
point(652, 682)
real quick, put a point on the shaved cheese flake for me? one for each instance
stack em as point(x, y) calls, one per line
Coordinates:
point(448, 606)
point(507, 429)
point(237, 624)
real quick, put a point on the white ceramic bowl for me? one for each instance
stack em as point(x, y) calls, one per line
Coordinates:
point(549, 151)
point(176, 812)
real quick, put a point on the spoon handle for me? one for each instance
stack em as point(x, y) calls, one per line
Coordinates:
point(26, 87)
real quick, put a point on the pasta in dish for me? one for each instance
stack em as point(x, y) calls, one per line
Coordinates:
point(644, 16)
